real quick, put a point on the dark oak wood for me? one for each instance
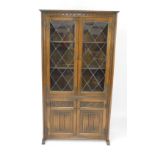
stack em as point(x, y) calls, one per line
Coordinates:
point(77, 114)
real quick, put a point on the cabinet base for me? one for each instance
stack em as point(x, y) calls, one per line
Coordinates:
point(43, 140)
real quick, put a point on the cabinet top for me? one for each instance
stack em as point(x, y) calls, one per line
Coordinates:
point(79, 12)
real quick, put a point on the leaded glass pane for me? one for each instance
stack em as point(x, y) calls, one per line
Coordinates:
point(61, 55)
point(94, 56)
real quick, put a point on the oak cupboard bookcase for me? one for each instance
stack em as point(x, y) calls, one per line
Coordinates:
point(77, 73)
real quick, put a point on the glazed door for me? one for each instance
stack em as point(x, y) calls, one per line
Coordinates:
point(93, 53)
point(62, 52)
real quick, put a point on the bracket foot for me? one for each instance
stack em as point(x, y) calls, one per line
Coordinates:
point(43, 141)
point(108, 142)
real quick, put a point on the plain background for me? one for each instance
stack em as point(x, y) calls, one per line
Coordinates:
point(20, 79)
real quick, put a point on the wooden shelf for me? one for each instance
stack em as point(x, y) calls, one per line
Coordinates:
point(95, 68)
point(94, 42)
point(62, 68)
point(62, 41)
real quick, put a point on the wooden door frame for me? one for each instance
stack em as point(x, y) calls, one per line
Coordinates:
point(71, 109)
point(102, 121)
point(82, 20)
point(48, 20)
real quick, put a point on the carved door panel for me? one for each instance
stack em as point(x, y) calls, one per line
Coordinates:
point(91, 118)
point(61, 118)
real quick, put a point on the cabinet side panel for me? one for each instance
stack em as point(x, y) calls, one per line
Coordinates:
point(111, 73)
point(43, 73)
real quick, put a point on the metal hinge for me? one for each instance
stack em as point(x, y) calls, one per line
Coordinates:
point(46, 131)
point(46, 24)
point(104, 131)
point(106, 105)
point(47, 91)
point(48, 103)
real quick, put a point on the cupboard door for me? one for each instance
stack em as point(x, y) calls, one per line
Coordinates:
point(91, 119)
point(61, 50)
point(61, 118)
point(94, 45)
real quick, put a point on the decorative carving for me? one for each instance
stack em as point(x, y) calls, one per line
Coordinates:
point(75, 14)
point(89, 121)
point(78, 13)
point(92, 104)
point(61, 104)
point(62, 121)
